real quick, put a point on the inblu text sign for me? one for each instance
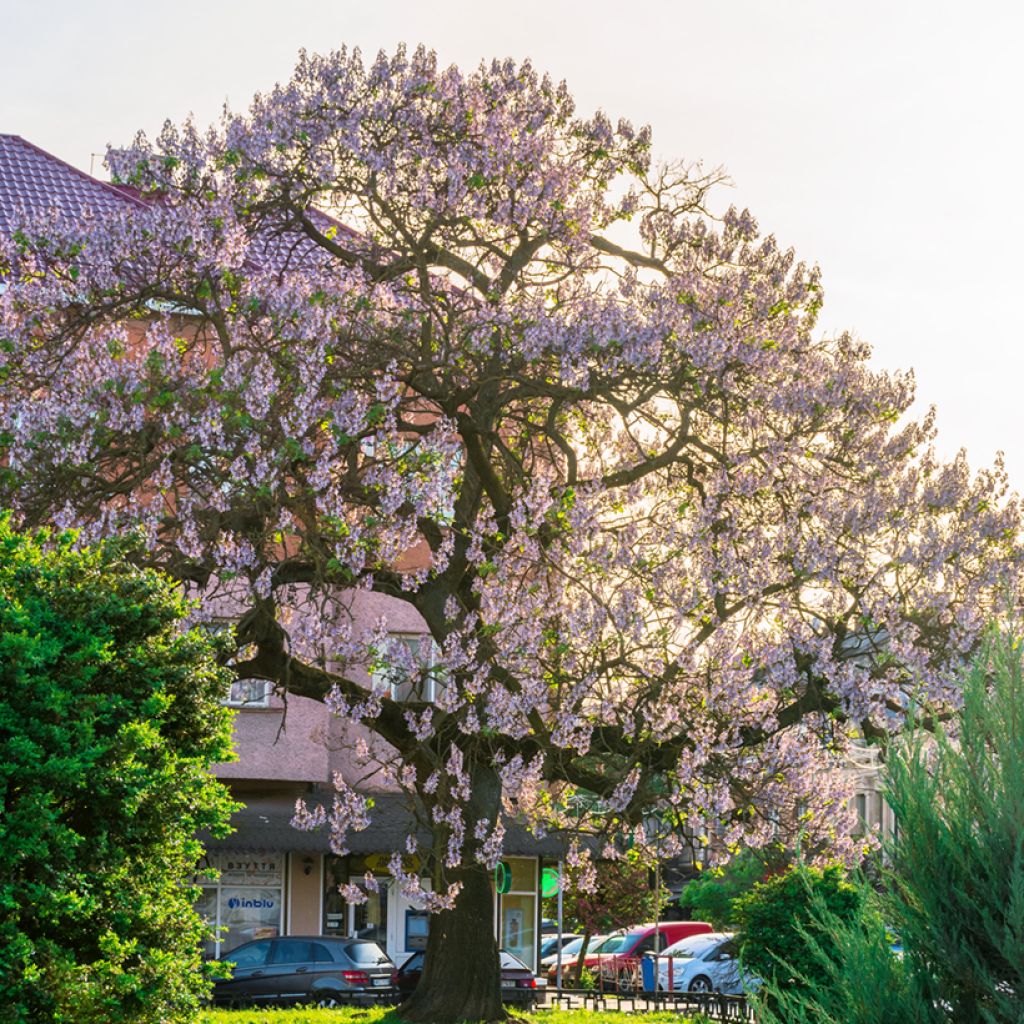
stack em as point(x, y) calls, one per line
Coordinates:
point(250, 904)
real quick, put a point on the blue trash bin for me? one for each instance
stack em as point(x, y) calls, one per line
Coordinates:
point(647, 972)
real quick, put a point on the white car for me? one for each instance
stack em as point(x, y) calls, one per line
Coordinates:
point(571, 950)
point(704, 963)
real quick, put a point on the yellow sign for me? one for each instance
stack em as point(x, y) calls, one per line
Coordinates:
point(379, 863)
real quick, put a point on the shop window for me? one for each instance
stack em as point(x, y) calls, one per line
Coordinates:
point(368, 920)
point(517, 925)
point(518, 911)
point(524, 874)
point(245, 902)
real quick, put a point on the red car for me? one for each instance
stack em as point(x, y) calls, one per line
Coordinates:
point(618, 959)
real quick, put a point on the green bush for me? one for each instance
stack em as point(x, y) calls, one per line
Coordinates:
point(777, 919)
point(110, 716)
point(713, 894)
point(859, 979)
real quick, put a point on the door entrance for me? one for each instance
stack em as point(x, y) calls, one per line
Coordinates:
point(369, 920)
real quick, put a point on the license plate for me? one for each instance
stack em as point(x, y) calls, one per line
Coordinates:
point(382, 981)
point(508, 984)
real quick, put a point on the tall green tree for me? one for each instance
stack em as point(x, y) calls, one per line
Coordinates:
point(957, 882)
point(110, 716)
point(954, 888)
point(857, 977)
point(714, 894)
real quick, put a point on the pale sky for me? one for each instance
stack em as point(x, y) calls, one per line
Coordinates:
point(882, 141)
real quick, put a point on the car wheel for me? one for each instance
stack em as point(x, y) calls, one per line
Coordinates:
point(702, 983)
point(328, 1001)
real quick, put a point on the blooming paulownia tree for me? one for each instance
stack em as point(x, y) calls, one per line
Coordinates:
point(675, 547)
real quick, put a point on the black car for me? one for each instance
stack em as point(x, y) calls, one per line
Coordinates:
point(305, 969)
point(519, 984)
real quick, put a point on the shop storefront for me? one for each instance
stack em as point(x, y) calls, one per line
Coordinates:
point(242, 897)
point(274, 880)
point(394, 922)
point(516, 910)
point(400, 927)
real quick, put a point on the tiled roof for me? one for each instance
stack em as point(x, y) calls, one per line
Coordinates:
point(35, 182)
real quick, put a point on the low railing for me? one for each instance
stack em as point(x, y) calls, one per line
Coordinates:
point(620, 984)
point(714, 1005)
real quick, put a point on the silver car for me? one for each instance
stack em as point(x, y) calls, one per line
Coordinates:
point(704, 963)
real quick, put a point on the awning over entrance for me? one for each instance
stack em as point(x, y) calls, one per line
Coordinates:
point(266, 827)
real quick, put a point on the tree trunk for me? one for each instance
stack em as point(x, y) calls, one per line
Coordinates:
point(578, 980)
point(461, 978)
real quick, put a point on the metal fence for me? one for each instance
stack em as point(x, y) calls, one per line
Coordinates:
point(713, 1005)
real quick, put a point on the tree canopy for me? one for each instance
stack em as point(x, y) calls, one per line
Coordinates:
point(110, 717)
point(679, 544)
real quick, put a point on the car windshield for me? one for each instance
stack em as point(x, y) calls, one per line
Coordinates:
point(619, 942)
point(577, 944)
point(510, 962)
point(366, 953)
point(414, 963)
point(687, 949)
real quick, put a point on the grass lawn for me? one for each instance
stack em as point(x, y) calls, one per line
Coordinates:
point(387, 1015)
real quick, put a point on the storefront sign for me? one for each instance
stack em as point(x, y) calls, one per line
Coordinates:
point(251, 868)
point(502, 878)
point(380, 863)
point(549, 882)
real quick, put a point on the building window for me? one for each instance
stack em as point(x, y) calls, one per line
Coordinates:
point(244, 693)
point(870, 809)
point(249, 693)
point(241, 898)
point(407, 668)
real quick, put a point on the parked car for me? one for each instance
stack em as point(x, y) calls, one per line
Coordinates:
point(549, 944)
point(618, 959)
point(305, 968)
point(570, 954)
point(704, 963)
point(519, 985)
